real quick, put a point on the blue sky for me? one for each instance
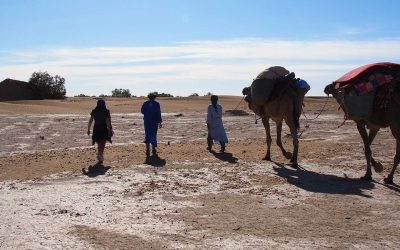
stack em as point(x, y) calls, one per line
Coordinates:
point(183, 47)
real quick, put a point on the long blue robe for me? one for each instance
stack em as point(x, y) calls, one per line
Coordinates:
point(152, 118)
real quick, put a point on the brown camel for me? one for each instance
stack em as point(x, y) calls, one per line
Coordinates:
point(285, 105)
point(382, 118)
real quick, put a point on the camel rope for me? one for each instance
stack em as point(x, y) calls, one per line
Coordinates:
point(320, 112)
point(312, 119)
point(237, 106)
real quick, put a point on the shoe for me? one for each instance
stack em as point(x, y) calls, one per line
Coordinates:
point(148, 153)
point(154, 151)
point(222, 149)
point(209, 148)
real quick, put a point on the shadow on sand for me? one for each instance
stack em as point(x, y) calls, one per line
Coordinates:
point(155, 161)
point(392, 186)
point(323, 183)
point(224, 156)
point(95, 170)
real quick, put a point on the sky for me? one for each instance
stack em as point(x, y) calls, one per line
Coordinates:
point(183, 47)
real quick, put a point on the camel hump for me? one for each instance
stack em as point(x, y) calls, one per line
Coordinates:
point(273, 73)
point(264, 83)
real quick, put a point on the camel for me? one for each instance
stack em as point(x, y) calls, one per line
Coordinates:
point(389, 117)
point(285, 105)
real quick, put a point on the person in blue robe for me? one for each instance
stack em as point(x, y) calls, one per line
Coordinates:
point(152, 121)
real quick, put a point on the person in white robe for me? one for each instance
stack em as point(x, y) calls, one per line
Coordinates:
point(216, 130)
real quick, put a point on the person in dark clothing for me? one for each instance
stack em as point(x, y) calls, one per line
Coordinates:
point(102, 129)
point(152, 121)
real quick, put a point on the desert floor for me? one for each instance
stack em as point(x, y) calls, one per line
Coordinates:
point(189, 198)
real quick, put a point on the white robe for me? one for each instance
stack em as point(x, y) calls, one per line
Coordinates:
point(214, 120)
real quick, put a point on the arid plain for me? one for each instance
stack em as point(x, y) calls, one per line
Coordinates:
point(189, 198)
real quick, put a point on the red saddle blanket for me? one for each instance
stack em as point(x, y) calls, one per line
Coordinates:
point(362, 73)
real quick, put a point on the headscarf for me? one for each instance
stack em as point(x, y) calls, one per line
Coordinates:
point(151, 96)
point(214, 101)
point(101, 104)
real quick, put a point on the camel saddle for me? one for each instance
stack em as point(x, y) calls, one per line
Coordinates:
point(367, 88)
point(360, 74)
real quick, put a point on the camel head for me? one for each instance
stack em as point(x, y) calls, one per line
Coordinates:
point(246, 91)
point(330, 89)
point(337, 94)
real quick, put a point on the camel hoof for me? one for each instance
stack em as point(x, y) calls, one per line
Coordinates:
point(287, 155)
point(388, 180)
point(295, 165)
point(378, 167)
point(366, 178)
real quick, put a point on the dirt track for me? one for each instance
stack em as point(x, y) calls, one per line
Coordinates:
point(190, 198)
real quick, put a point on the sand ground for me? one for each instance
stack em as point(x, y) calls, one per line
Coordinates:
point(189, 198)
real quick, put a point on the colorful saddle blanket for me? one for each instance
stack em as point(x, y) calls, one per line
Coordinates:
point(367, 88)
point(368, 77)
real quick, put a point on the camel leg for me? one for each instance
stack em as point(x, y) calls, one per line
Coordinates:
point(389, 178)
point(265, 121)
point(376, 164)
point(293, 131)
point(287, 155)
point(367, 149)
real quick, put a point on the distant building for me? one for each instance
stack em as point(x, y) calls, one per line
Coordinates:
point(12, 90)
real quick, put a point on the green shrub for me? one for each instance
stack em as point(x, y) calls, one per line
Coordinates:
point(50, 87)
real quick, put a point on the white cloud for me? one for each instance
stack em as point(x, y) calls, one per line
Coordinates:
point(221, 67)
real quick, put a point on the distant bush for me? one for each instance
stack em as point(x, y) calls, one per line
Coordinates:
point(208, 94)
point(103, 95)
point(50, 87)
point(121, 93)
point(193, 95)
point(81, 95)
point(161, 94)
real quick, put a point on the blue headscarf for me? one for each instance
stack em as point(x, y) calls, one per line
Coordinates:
point(101, 104)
